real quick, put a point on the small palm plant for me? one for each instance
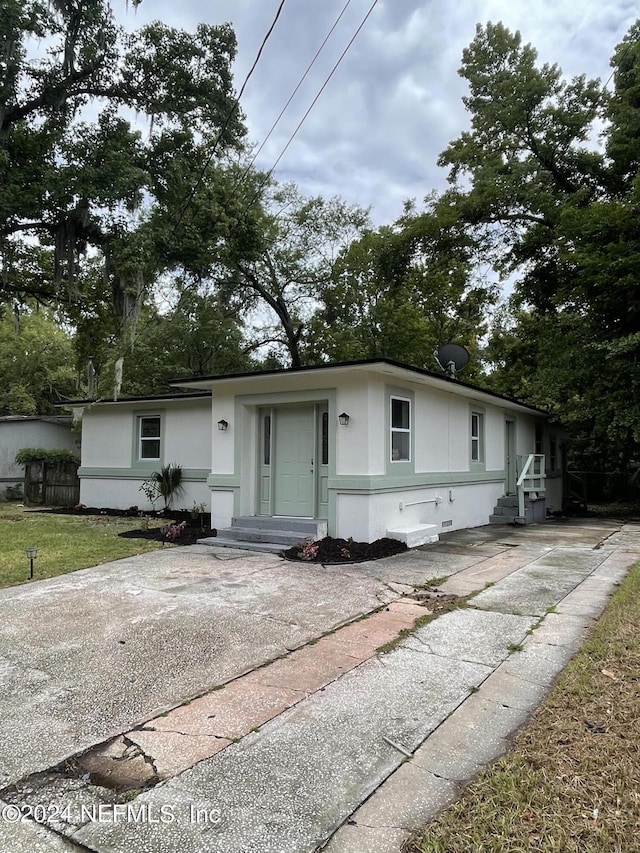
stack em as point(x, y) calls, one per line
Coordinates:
point(169, 482)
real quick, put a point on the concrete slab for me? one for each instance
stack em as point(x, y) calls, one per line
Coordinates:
point(471, 635)
point(97, 652)
point(409, 798)
point(485, 717)
point(418, 567)
point(489, 571)
point(539, 585)
point(294, 782)
point(509, 690)
point(568, 631)
point(455, 752)
point(538, 662)
point(21, 835)
point(355, 838)
point(229, 713)
point(174, 752)
point(100, 649)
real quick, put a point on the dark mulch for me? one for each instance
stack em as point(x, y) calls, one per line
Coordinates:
point(133, 512)
point(331, 550)
point(193, 530)
point(188, 536)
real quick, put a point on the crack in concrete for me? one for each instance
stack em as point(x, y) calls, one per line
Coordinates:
point(184, 734)
point(447, 657)
point(148, 759)
point(264, 616)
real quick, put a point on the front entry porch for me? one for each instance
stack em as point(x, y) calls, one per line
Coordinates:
point(293, 461)
point(270, 534)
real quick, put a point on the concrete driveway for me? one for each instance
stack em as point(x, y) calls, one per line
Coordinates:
point(198, 699)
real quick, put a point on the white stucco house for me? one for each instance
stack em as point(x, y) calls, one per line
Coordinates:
point(366, 449)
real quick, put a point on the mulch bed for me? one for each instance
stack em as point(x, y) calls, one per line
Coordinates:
point(188, 536)
point(192, 531)
point(327, 550)
point(331, 550)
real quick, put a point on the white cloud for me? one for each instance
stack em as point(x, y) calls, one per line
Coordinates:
point(395, 102)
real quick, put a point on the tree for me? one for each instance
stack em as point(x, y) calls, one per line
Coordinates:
point(197, 335)
point(298, 240)
point(402, 291)
point(525, 158)
point(80, 184)
point(562, 219)
point(36, 362)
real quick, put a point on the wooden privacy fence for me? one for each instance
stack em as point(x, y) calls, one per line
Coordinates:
point(52, 483)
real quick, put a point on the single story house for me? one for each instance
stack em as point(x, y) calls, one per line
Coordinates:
point(17, 432)
point(367, 448)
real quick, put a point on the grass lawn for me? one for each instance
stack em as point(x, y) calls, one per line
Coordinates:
point(571, 782)
point(64, 542)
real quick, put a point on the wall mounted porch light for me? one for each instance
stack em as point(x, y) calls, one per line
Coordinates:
point(343, 419)
point(223, 425)
point(31, 555)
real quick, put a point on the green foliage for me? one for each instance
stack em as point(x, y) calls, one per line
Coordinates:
point(400, 292)
point(169, 480)
point(165, 483)
point(562, 220)
point(36, 363)
point(28, 455)
point(298, 241)
point(73, 183)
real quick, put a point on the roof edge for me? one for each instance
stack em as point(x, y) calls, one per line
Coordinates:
point(135, 399)
point(421, 371)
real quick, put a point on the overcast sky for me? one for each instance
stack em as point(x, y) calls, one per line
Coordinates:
point(395, 101)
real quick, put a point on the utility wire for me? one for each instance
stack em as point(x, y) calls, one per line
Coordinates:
point(225, 125)
point(313, 103)
point(300, 82)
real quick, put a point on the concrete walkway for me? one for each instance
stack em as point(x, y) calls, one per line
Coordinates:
point(297, 734)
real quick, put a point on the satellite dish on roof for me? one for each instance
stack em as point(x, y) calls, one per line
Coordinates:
point(452, 358)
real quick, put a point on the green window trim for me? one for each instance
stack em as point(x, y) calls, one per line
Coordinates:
point(148, 440)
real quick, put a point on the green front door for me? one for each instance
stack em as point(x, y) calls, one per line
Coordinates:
point(295, 461)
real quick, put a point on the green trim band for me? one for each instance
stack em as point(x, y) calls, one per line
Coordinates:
point(190, 475)
point(223, 481)
point(382, 483)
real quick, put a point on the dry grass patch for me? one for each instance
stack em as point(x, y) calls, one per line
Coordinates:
point(571, 782)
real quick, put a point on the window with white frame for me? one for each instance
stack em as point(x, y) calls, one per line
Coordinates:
point(149, 428)
point(400, 429)
point(477, 429)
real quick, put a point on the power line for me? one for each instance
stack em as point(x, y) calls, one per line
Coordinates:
point(313, 103)
point(261, 48)
point(225, 125)
point(300, 82)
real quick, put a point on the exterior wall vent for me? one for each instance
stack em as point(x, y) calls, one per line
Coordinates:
point(447, 523)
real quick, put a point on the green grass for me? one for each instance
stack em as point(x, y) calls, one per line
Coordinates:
point(572, 779)
point(65, 543)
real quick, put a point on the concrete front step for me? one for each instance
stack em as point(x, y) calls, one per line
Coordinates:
point(509, 519)
point(315, 528)
point(508, 501)
point(256, 534)
point(267, 534)
point(223, 542)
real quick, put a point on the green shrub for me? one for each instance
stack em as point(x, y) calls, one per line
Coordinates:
point(28, 455)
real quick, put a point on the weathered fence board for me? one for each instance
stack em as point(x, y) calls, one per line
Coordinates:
point(52, 483)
